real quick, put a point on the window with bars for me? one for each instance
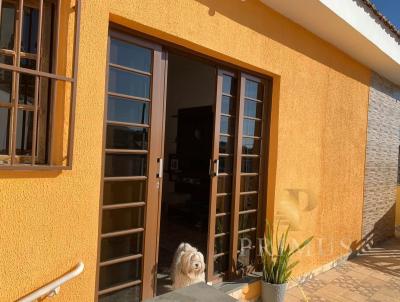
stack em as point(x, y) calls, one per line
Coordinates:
point(35, 90)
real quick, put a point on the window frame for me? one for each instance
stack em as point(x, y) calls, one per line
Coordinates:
point(14, 106)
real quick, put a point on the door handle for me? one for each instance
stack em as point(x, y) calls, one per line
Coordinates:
point(212, 167)
point(160, 167)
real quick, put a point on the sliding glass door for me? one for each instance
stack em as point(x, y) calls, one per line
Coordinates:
point(237, 207)
point(132, 171)
point(132, 161)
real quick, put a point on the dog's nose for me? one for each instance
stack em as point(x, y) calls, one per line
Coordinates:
point(196, 265)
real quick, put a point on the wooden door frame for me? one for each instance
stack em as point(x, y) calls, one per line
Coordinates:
point(213, 180)
point(152, 230)
point(155, 152)
point(241, 78)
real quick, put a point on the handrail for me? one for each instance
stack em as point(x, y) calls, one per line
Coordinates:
point(53, 288)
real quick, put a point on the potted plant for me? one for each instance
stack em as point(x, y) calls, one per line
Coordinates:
point(277, 264)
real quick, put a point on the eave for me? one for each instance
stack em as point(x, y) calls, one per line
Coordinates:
point(351, 27)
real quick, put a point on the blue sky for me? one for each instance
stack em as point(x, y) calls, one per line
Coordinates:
point(389, 8)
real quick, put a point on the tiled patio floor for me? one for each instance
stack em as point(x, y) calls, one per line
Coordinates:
point(371, 277)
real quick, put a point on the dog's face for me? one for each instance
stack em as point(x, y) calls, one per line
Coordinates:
point(192, 263)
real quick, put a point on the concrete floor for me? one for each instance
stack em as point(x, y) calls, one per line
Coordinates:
point(371, 277)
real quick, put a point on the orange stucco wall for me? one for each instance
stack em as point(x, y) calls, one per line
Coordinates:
point(49, 220)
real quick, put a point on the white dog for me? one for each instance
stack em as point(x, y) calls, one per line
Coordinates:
point(187, 267)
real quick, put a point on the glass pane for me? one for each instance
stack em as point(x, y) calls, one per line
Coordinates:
point(129, 83)
point(250, 165)
point(43, 123)
point(125, 165)
point(250, 145)
point(222, 224)
point(224, 184)
point(247, 221)
point(116, 192)
point(120, 273)
point(247, 257)
point(248, 202)
point(223, 204)
point(24, 132)
point(227, 105)
point(122, 246)
point(225, 164)
point(221, 244)
point(30, 30)
point(227, 125)
point(226, 144)
point(221, 264)
point(26, 89)
point(4, 130)
point(7, 27)
point(130, 55)
point(5, 81)
point(127, 111)
point(248, 183)
point(250, 235)
point(251, 127)
point(254, 90)
point(130, 294)
point(28, 63)
point(252, 109)
point(122, 219)
point(121, 137)
point(248, 239)
point(229, 85)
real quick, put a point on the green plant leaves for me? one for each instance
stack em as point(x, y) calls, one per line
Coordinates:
point(277, 268)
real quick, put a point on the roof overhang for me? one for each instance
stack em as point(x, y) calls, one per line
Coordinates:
point(349, 27)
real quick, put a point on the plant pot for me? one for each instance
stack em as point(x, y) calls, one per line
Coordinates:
point(273, 292)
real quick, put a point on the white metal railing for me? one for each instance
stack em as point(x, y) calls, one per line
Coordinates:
point(53, 288)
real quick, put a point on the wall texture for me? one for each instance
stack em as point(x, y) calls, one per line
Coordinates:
point(382, 161)
point(49, 220)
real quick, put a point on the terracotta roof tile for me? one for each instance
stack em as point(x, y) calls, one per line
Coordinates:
point(385, 21)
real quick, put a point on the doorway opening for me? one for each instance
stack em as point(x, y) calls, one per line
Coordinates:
point(188, 143)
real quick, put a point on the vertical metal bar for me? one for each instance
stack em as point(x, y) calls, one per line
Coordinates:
point(17, 47)
point(53, 83)
point(264, 157)
point(8, 109)
point(103, 159)
point(37, 81)
point(235, 206)
point(214, 179)
point(71, 129)
point(154, 184)
point(164, 58)
point(1, 9)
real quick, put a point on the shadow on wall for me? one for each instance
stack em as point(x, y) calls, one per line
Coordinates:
point(384, 258)
point(385, 225)
point(272, 25)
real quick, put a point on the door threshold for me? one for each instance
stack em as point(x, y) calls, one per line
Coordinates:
point(229, 287)
point(199, 292)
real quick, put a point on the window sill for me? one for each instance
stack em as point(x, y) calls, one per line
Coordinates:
point(34, 168)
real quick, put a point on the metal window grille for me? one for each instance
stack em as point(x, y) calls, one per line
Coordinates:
point(35, 84)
